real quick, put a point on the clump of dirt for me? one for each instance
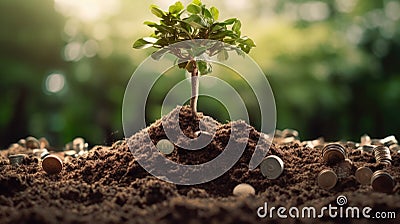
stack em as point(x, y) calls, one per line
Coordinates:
point(107, 185)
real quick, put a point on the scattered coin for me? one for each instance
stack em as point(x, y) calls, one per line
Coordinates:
point(32, 143)
point(22, 142)
point(52, 164)
point(395, 148)
point(272, 167)
point(39, 152)
point(165, 146)
point(367, 148)
point(44, 144)
point(376, 142)
point(204, 133)
point(363, 175)
point(71, 153)
point(16, 159)
point(327, 179)
point(333, 153)
point(244, 190)
point(365, 140)
point(290, 133)
point(388, 141)
point(382, 181)
point(278, 133)
point(78, 144)
point(44, 154)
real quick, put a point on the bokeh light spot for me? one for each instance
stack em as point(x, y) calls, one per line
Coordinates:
point(55, 83)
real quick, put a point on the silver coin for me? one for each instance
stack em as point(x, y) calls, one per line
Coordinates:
point(272, 167)
point(16, 159)
point(165, 146)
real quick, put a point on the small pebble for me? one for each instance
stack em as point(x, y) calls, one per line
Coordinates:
point(272, 167)
point(165, 146)
point(52, 164)
point(244, 190)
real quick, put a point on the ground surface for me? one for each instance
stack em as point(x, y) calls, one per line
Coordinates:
point(108, 186)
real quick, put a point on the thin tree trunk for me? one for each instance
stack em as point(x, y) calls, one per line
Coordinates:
point(195, 90)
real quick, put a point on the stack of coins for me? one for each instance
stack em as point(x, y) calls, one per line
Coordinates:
point(333, 153)
point(272, 167)
point(382, 155)
point(382, 181)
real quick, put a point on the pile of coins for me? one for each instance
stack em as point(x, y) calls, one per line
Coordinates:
point(51, 162)
point(334, 154)
point(77, 147)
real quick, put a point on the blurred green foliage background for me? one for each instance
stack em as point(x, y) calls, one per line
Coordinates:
point(333, 66)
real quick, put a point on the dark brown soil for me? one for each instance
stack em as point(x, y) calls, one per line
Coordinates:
point(107, 185)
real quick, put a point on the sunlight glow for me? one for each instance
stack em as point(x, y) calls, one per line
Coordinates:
point(88, 10)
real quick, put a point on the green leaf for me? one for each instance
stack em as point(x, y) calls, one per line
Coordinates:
point(142, 44)
point(150, 23)
point(195, 21)
point(215, 13)
point(204, 67)
point(157, 11)
point(197, 2)
point(194, 9)
point(223, 55)
point(247, 41)
point(229, 21)
point(207, 14)
point(158, 54)
point(236, 27)
point(176, 8)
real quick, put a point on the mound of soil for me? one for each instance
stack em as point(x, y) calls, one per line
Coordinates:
point(107, 185)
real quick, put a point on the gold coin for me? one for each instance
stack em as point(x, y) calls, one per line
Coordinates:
point(52, 164)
